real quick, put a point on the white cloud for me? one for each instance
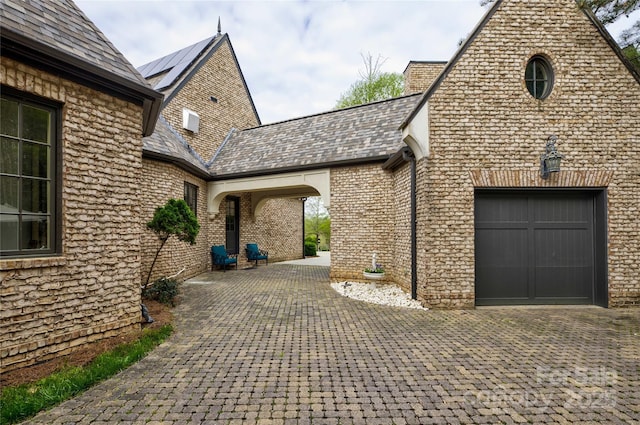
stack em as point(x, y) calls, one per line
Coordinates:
point(297, 57)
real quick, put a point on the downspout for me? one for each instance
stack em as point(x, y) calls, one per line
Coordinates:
point(407, 155)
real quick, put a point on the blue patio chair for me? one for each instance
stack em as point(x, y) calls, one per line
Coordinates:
point(219, 257)
point(255, 254)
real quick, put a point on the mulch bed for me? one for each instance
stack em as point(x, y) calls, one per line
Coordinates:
point(160, 313)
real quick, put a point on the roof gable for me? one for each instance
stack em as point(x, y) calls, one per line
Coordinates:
point(172, 72)
point(478, 30)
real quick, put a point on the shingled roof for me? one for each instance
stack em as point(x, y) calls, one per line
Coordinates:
point(63, 26)
point(167, 145)
point(359, 134)
point(58, 37)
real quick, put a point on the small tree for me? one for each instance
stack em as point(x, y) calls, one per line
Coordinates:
point(175, 218)
point(374, 85)
point(317, 220)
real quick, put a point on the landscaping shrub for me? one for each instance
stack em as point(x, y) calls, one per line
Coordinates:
point(163, 290)
point(310, 249)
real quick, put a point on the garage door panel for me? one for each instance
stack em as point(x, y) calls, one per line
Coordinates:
point(563, 282)
point(563, 247)
point(567, 209)
point(506, 282)
point(497, 209)
point(534, 248)
point(503, 255)
point(499, 247)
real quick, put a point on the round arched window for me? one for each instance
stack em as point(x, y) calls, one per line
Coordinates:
point(539, 77)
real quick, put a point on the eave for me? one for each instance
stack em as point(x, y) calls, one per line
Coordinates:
point(306, 167)
point(178, 162)
point(47, 58)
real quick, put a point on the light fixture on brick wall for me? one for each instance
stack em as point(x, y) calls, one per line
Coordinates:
point(550, 160)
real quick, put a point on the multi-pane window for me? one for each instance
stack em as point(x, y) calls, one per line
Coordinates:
point(27, 177)
point(191, 197)
point(231, 215)
point(539, 77)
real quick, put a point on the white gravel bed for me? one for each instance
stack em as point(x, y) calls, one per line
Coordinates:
point(377, 293)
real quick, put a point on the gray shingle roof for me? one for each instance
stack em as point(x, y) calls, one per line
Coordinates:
point(169, 145)
point(362, 133)
point(63, 26)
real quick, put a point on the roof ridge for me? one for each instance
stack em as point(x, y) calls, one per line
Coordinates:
point(104, 39)
point(217, 152)
point(333, 111)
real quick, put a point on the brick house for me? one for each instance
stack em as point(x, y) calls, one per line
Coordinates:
point(113, 144)
point(205, 99)
point(451, 196)
point(444, 183)
point(74, 112)
point(490, 229)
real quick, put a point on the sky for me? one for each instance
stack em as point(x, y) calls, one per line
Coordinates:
point(297, 57)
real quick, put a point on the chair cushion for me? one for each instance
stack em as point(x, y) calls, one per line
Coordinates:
point(219, 250)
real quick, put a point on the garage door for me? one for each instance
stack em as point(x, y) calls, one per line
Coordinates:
point(536, 248)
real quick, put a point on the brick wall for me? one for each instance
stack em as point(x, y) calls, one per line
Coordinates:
point(51, 306)
point(401, 267)
point(362, 219)
point(419, 76)
point(160, 183)
point(278, 229)
point(221, 78)
point(483, 119)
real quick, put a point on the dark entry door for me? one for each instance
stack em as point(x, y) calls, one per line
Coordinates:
point(233, 225)
point(535, 248)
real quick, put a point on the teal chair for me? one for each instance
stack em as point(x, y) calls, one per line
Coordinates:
point(255, 254)
point(219, 257)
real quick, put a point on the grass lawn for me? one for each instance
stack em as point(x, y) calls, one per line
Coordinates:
point(23, 397)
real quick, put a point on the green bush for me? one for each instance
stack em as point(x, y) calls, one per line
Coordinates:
point(175, 218)
point(309, 249)
point(163, 290)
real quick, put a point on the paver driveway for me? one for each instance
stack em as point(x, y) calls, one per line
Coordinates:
point(277, 345)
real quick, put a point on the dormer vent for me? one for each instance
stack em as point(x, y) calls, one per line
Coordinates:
point(190, 120)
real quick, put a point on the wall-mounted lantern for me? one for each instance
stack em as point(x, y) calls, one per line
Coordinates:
point(550, 160)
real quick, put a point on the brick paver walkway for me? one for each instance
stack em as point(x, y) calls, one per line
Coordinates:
point(276, 345)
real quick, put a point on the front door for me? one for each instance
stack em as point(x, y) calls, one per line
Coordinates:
point(233, 225)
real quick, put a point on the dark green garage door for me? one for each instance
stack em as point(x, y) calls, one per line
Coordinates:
point(536, 248)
